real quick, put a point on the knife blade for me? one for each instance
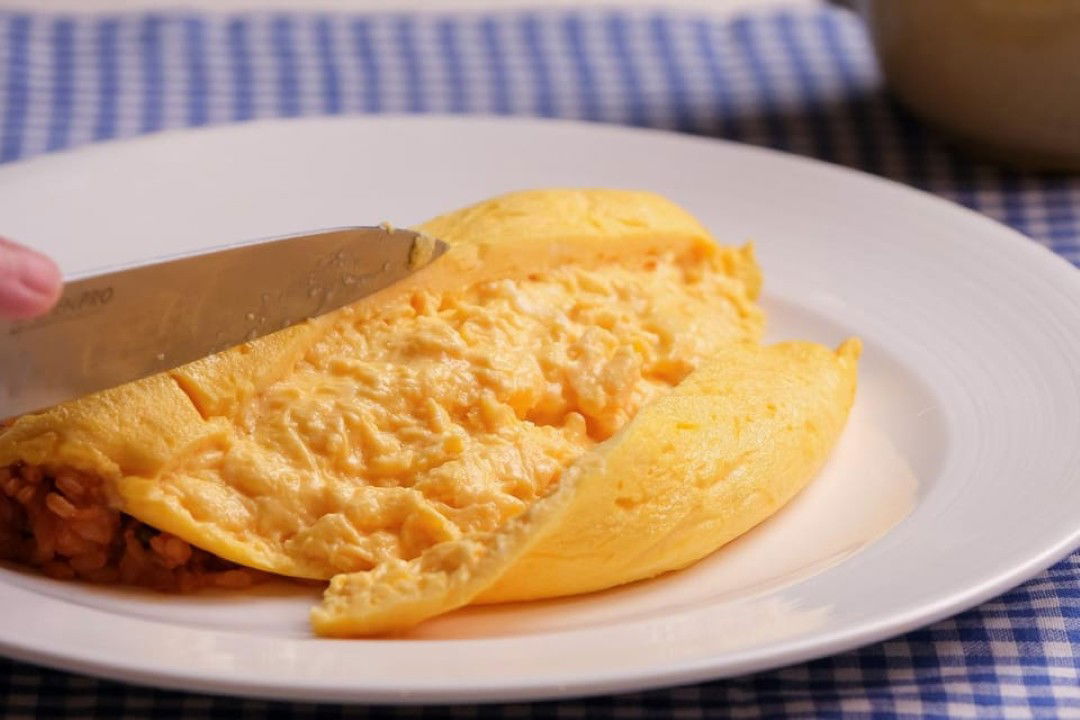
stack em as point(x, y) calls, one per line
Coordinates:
point(129, 322)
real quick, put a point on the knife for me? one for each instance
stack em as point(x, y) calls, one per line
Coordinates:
point(128, 322)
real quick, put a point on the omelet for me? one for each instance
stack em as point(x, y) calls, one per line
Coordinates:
point(573, 397)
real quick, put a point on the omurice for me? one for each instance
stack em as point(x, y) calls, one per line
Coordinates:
point(575, 396)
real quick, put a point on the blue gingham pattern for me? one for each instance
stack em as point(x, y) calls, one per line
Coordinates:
point(800, 81)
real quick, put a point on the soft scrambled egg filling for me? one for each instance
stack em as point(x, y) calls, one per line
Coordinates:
point(446, 415)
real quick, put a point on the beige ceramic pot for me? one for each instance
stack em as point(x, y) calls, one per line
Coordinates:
point(1003, 76)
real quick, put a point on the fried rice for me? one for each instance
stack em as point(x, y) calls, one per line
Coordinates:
point(61, 523)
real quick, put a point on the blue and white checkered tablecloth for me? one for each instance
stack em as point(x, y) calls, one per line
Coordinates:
point(803, 81)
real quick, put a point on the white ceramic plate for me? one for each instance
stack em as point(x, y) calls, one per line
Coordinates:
point(958, 475)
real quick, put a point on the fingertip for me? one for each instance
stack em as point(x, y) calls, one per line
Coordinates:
point(30, 282)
